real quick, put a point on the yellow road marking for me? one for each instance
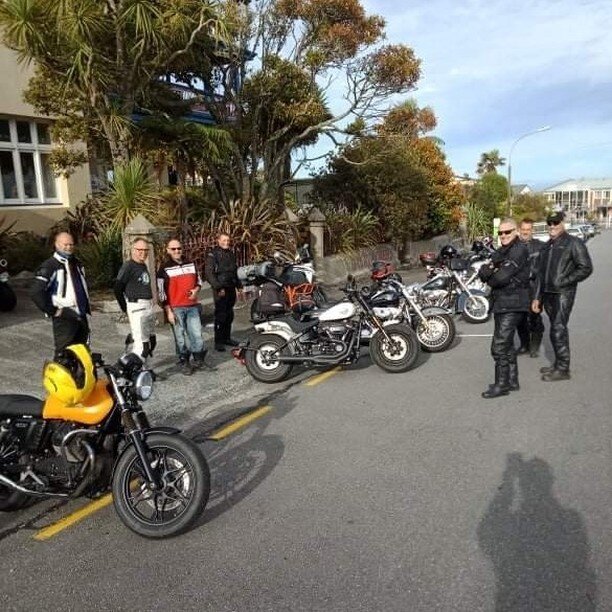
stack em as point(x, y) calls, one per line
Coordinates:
point(48, 532)
point(315, 380)
point(239, 423)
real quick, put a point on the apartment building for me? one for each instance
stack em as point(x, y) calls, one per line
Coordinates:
point(583, 198)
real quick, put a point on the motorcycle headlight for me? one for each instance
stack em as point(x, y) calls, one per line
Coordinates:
point(144, 385)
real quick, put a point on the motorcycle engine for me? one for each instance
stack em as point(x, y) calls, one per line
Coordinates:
point(332, 338)
point(75, 453)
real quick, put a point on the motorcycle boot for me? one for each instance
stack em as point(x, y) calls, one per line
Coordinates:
point(500, 386)
point(547, 369)
point(513, 381)
point(556, 375)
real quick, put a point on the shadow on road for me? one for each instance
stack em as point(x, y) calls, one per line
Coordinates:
point(538, 548)
point(242, 462)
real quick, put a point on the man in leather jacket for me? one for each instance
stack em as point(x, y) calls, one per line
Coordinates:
point(564, 262)
point(508, 276)
point(531, 328)
point(221, 272)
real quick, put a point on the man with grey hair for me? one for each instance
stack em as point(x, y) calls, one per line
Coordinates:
point(135, 298)
point(508, 277)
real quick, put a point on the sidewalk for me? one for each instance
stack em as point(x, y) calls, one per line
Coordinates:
point(26, 341)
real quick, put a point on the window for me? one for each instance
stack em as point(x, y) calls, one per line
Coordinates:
point(26, 176)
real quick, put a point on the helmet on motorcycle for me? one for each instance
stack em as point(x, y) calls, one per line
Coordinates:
point(381, 269)
point(478, 246)
point(448, 252)
point(71, 377)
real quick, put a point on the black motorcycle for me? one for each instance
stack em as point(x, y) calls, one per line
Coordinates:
point(8, 299)
point(160, 480)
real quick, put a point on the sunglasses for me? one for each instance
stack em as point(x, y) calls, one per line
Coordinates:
point(142, 250)
point(505, 232)
point(553, 223)
point(175, 248)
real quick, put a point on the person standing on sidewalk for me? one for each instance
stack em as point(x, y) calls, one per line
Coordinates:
point(60, 291)
point(531, 328)
point(135, 298)
point(508, 276)
point(564, 262)
point(221, 273)
point(178, 285)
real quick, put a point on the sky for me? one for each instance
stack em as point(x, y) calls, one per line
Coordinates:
point(494, 70)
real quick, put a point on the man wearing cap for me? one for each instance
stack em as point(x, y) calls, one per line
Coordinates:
point(564, 262)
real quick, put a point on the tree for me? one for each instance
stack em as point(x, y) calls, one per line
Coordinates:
point(98, 61)
point(490, 194)
point(532, 205)
point(489, 161)
point(282, 58)
point(399, 173)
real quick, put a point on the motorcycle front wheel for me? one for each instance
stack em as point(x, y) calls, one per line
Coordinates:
point(476, 309)
point(184, 480)
point(436, 333)
point(260, 365)
point(398, 355)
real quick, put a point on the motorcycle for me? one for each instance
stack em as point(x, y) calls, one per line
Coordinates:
point(160, 480)
point(330, 336)
point(8, 299)
point(392, 301)
point(296, 279)
point(455, 287)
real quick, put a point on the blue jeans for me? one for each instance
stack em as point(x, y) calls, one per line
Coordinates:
point(187, 326)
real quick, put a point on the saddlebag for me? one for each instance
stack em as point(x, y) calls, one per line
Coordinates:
point(271, 300)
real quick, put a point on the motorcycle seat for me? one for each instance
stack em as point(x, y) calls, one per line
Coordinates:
point(299, 326)
point(15, 405)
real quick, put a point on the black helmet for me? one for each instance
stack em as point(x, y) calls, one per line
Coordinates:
point(448, 252)
point(477, 246)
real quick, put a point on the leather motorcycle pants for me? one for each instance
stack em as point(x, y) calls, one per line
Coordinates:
point(502, 345)
point(558, 307)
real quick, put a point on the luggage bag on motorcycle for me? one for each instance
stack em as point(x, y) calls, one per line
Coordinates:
point(271, 300)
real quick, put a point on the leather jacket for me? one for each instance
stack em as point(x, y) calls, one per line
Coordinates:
point(221, 269)
point(508, 277)
point(564, 262)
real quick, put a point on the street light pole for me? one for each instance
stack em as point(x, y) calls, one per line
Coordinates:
point(509, 204)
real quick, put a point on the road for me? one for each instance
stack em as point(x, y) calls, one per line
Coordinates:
point(360, 490)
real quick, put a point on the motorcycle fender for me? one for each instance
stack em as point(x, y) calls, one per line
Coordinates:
point(375, 330)
point(287, 334)
point(464, 296)
point(435, 310)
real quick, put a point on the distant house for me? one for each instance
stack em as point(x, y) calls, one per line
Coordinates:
point(582, 198)
point(521, 189)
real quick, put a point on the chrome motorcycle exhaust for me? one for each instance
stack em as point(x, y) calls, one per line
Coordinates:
point(7, 482)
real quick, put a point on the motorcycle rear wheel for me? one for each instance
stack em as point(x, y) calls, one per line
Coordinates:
point(179, 502)
point(477, 309)
point(399, 356)
point(260, 369)
point(437, 334)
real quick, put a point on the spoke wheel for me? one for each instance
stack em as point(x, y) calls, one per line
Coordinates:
point(436, 333)
point(476, 309)
point(183, 487)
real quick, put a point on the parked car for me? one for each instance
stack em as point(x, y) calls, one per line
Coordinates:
point(588, 229)
point(576, 231)
point(542, 236)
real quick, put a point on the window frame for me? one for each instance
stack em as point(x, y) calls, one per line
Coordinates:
point(36, 149)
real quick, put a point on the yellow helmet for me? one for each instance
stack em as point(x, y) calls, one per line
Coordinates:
point(72, 376)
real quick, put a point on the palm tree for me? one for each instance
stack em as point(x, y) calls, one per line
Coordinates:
point(489, 162)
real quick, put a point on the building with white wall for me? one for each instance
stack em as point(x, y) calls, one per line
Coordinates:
point(583, 198)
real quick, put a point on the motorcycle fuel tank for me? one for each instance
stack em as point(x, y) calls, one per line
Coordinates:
point(338, 312)
point(437, 282)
